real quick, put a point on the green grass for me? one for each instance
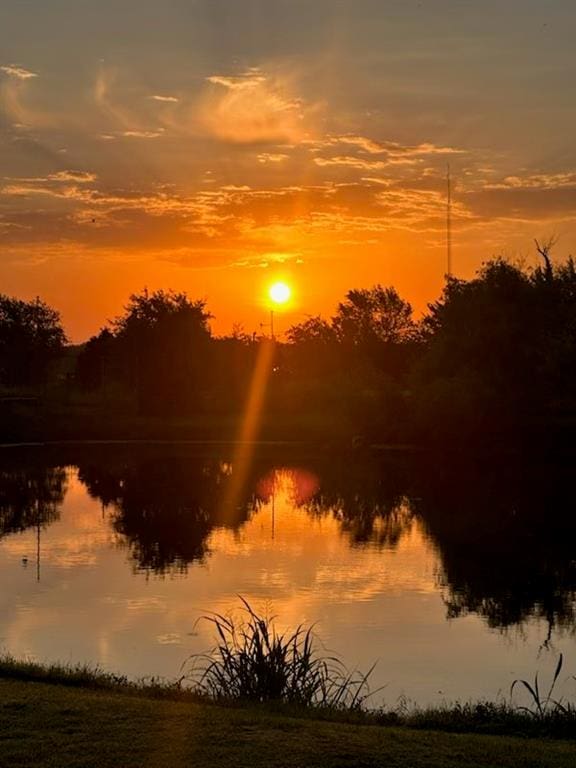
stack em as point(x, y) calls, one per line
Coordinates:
point(89, 677)
point(480, 717)
point(53, 726)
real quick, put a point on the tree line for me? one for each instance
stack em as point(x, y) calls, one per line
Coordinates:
point(494, 356)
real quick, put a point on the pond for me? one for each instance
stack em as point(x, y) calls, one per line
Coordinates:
point(455, 577)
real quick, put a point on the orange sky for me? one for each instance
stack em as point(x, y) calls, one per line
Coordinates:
point(216, 147)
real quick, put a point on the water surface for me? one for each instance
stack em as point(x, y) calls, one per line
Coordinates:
point(455, 580)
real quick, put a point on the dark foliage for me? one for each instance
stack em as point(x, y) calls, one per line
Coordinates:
point(31, 337)
point(500, 355)
point(163, 339)
point(492, 363)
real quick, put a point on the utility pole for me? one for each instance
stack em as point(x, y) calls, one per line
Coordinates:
point(448, 222)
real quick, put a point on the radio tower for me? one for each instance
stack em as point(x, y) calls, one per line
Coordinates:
point(448, 222)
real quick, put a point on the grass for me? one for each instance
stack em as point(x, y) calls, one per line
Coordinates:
point(53, 726)
point(285, 705)
point(87, 677)
point(545, 707)
point(254, 662)
point(481, 718)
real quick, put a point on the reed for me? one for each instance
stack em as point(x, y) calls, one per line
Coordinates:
point(544, 705)
point(253, 661)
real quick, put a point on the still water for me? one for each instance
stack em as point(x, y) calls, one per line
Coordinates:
point(455, 580)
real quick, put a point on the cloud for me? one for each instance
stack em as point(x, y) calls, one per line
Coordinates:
point(142, 134)
point(252, 108)
point(164, 99)
point(247, 81)
point(78, 177)
point(270, 157)
point(13, 102)
point(363, 143)
point(423, 149)
point(536, 181)
point(261, 261)
point(391, 149)
point(114, 108)
point(18, 72)
point(350, 162)
point(42, 187)
point(530, 204)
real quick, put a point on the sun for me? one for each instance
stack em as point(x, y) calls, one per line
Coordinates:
point(280, 293)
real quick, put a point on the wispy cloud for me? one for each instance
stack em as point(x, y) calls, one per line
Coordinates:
point(392, 149)
point(351, 162)
point(14, 98)
point(18, 72)
point(116, 109)
point(78, 177)
point(164, 99)
point(271, 157)
point(253, 108)
point(536, 181)
point(142, 134)
point(250, 79)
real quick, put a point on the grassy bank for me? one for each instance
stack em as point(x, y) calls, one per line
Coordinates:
point(45, 724)
point(62, 716)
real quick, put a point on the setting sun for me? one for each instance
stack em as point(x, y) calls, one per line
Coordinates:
point(280, 293)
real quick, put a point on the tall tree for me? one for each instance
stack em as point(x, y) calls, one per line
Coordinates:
point(501, 350)
point(165, 337)
point(374, 314)
point(31, 337)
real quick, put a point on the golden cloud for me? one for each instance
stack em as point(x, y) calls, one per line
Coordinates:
point(351, 162)
point(164, 99)
point(78, 177)
point(252, 108)
point(270, 157)
point(142, 134)
point(18, 72)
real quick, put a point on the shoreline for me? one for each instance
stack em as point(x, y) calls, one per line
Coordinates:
point(47, 725)
point(496, 718)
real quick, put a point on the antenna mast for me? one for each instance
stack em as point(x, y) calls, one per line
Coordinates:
point(448, 222)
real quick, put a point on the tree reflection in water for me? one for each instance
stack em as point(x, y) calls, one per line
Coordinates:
point(30, 496)
point(164, 507)
point(370, 499)
point(506, 539)
point(504, 533)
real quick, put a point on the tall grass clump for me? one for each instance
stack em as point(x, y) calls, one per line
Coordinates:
point(544, 706)
point(252, 661)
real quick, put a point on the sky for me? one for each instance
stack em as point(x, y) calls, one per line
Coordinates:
point(216, 146)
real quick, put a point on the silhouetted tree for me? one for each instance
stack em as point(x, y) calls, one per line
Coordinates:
point(355, 364)
point(163, 337)
point(374, 314)
point(94, 365)
point(31, 337)
point(500, 352)
point(232, 361)
point(314, 348)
